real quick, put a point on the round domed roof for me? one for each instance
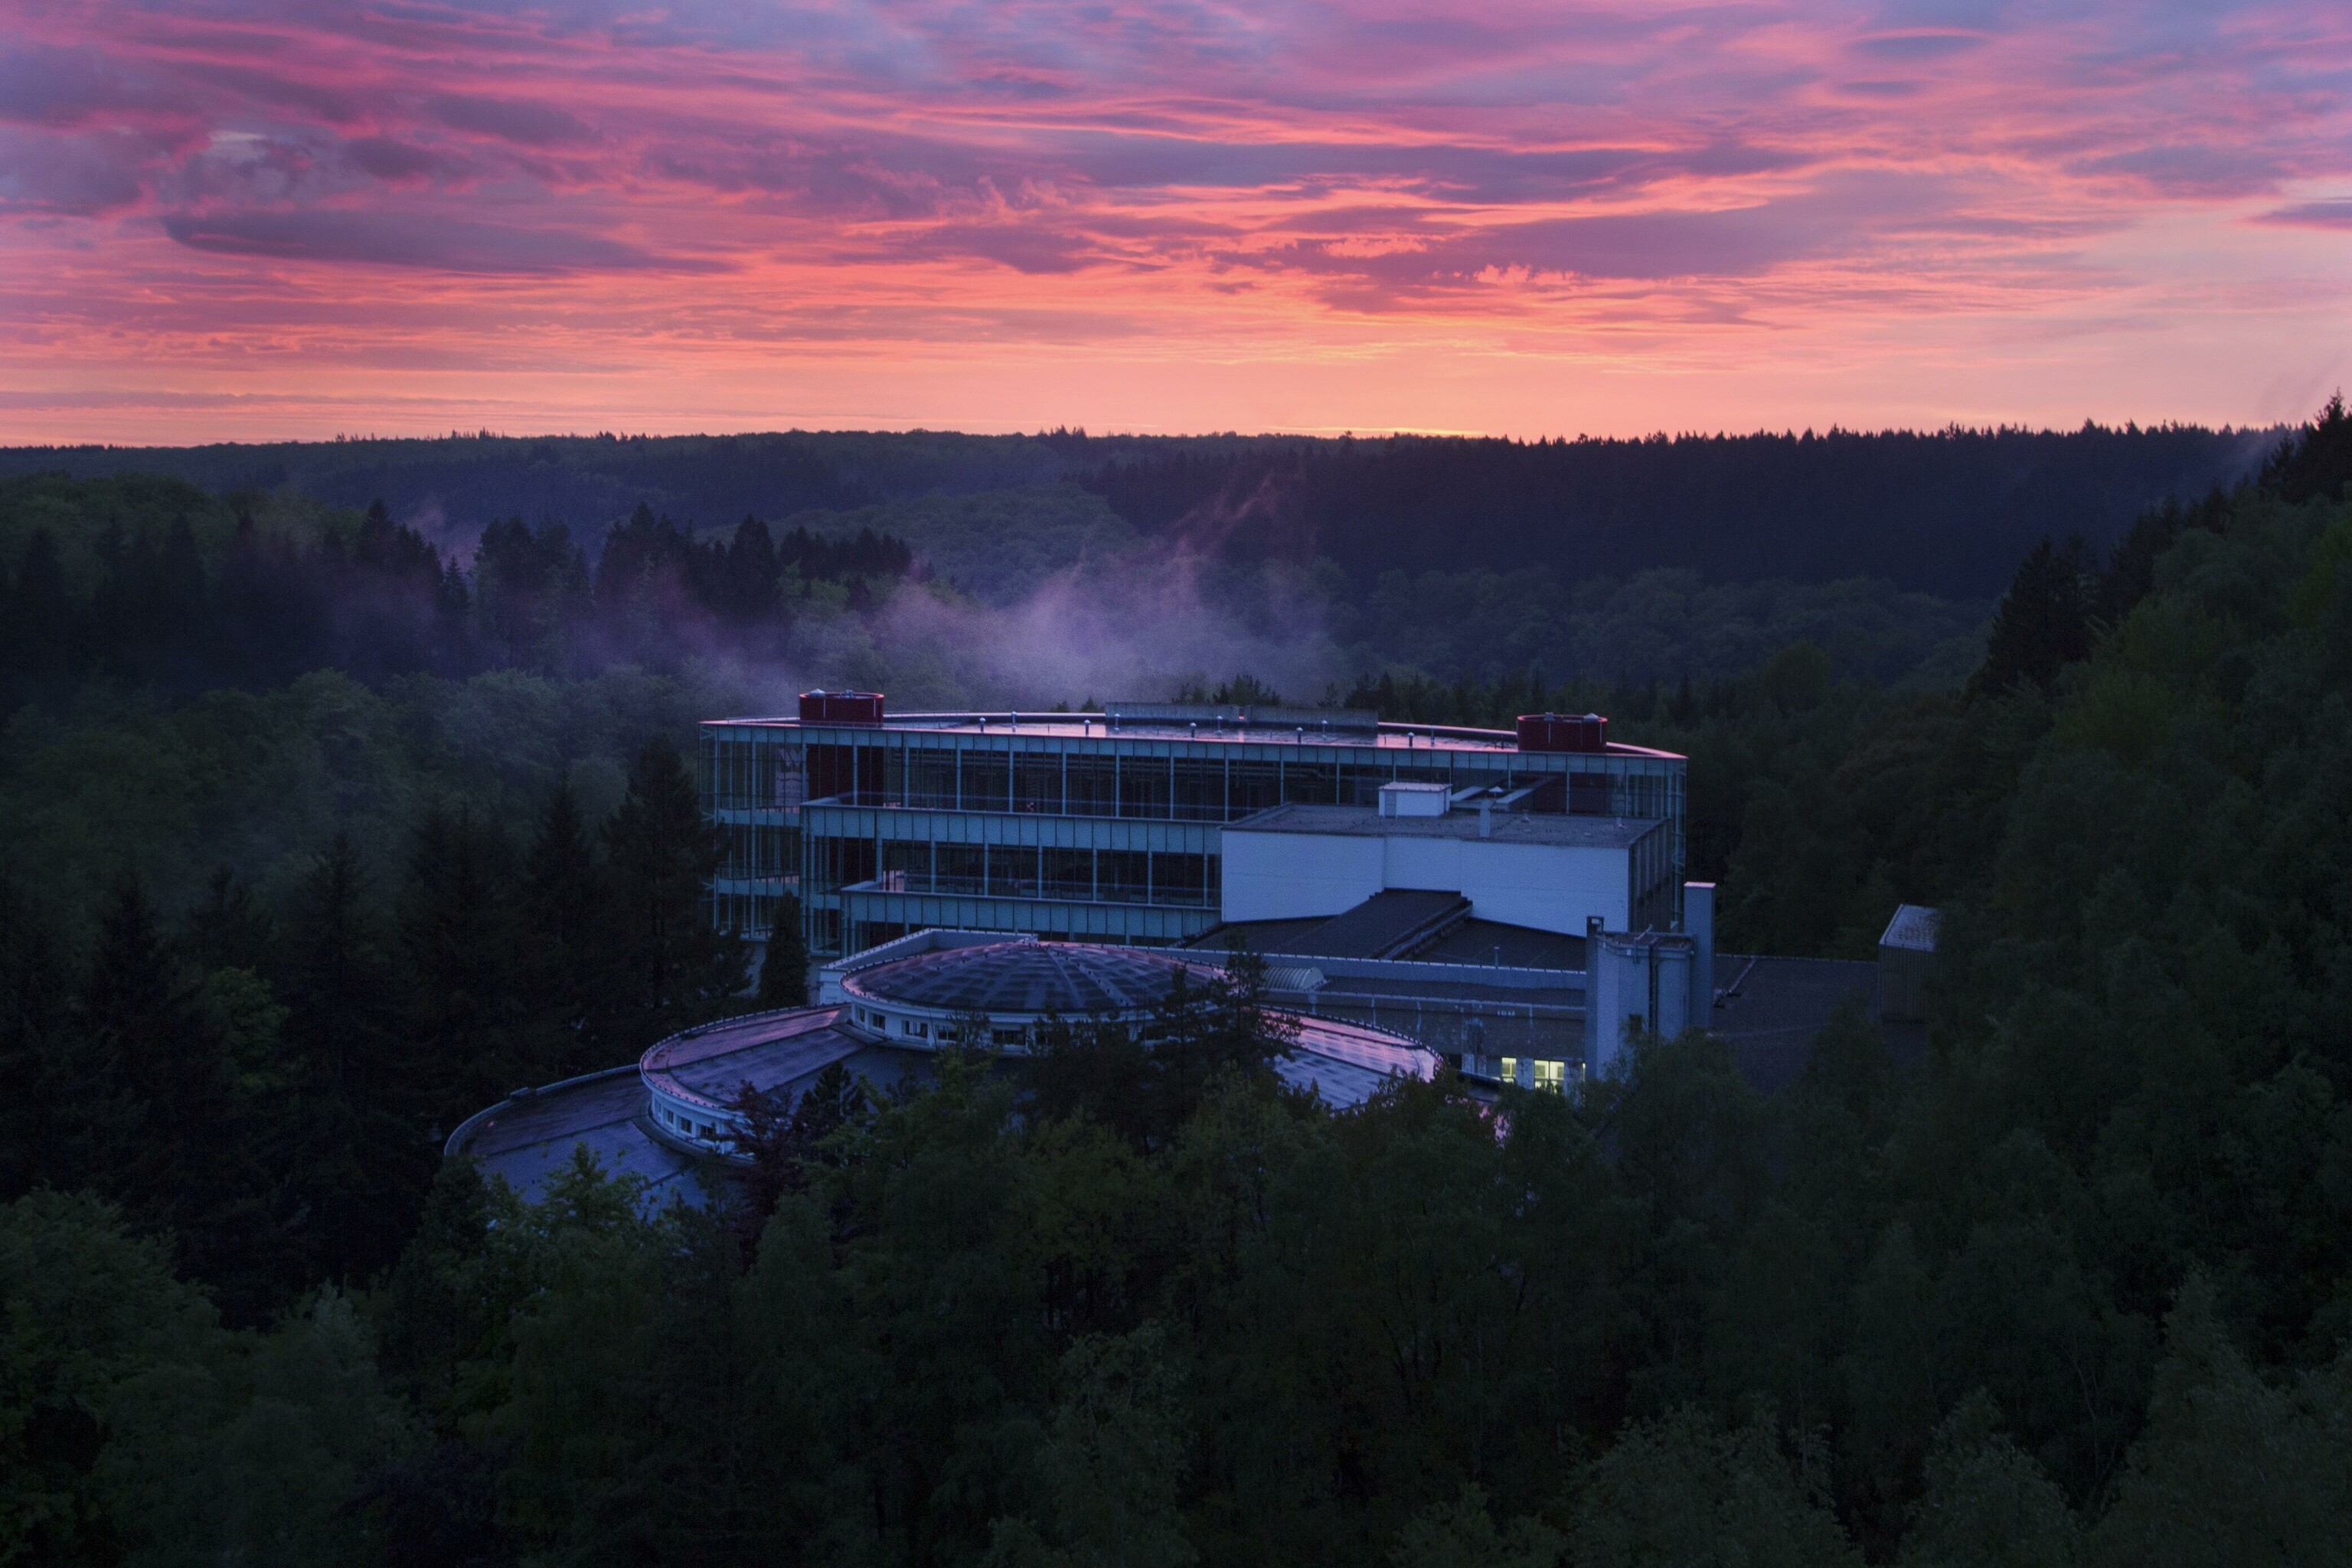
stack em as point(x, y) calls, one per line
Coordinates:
point(1073, 979)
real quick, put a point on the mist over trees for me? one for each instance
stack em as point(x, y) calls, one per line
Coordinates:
point(156, 586)
point(2075, 1287)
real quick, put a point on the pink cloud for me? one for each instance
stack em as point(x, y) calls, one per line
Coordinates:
point(602, 188)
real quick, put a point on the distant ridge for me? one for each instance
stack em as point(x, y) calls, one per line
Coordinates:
point(1946, 512)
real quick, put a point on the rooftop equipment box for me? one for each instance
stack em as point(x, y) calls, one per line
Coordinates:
point(1414, 799)
point(1563, 732)
point(841, 707)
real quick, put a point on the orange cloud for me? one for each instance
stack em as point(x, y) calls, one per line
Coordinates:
point(255, 218)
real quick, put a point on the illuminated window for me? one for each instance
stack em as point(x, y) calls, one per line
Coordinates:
point(1552, 1076)
point(1510, 1069)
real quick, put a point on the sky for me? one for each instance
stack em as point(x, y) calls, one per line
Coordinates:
point(265, 219)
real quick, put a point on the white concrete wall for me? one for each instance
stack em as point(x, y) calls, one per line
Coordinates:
point(1617, 998)
point(1545, 887)
point(1290, 875)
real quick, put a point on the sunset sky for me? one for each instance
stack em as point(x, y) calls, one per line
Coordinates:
point(248, 219)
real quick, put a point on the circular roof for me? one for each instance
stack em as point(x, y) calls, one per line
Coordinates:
point(1073, 979)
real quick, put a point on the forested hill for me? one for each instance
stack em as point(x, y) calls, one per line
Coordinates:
point(1945, 512)
point(2074, 1288)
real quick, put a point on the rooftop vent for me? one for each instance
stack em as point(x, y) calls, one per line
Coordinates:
point(841, 707)
point(1414, 799)
point(1563, 732)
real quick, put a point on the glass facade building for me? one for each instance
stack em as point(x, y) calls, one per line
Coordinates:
point(1101, 827)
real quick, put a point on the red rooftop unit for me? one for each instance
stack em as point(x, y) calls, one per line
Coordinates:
point(841, 707)
point(1563, 732)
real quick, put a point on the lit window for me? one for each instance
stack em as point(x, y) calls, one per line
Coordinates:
point(1510, 1069)
point(1552, 1076)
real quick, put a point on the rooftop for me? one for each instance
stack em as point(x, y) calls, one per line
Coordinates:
point(1562, 832)
point(1293, 730)
point(698, 1075)
point(1073, 979)
point(1470, 943)
point(1913, 928)
point(1770, 1009)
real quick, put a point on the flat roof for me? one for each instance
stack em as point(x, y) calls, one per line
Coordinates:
point(1475, 945)
point(1366, 821)
point(529, 1137)
point(1913, 928)
point(1100, 727)
point(1383, 923)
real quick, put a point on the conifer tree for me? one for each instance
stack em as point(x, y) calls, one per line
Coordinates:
point(357, 1149)
point(166, 1133)
point(2044, 623)
point(671, 966)
point(564, 923)
point(751, 568)
point(783, 971)
point(39, 623)
point(226, 929)
point(459, 932)
point(2315, 462)
point(40, 1058)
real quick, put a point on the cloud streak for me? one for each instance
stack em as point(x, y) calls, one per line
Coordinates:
point(1374, 210)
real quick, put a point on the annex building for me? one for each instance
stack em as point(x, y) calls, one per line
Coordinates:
point(675, 1118)
point(1121, 827)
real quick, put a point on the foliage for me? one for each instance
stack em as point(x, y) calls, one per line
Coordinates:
point(134, 1429)
point(2074, 1286)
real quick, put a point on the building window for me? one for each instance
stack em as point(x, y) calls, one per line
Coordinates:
point(1070, 874)
point(1093, 786)
point(1311, 784)
point(1037, 783)
point(987, 781)
point(915, 1026)
point(1122, 876)
point(1011, 871)
point(1510, 1069)
point(1199, 791)
point(1254, 786)
point(1552, 1076)
point(931, 779)
point(1180, 879)
point(1144, 787)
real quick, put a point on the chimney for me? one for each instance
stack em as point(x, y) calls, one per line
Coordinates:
point(1698, 923)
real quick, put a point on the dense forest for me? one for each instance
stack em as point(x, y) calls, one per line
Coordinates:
point(2075, 1287)
point(1945, 512)
point(154, 584)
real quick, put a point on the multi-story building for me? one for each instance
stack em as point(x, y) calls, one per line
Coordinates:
point(1098, 827)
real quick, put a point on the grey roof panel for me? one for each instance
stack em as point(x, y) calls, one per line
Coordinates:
point(1380, 925)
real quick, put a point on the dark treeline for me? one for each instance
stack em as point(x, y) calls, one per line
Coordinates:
point(154, 583)
point(482, 477)
point(269, 1081)
point(2074, 1288)
point(1947, 513)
